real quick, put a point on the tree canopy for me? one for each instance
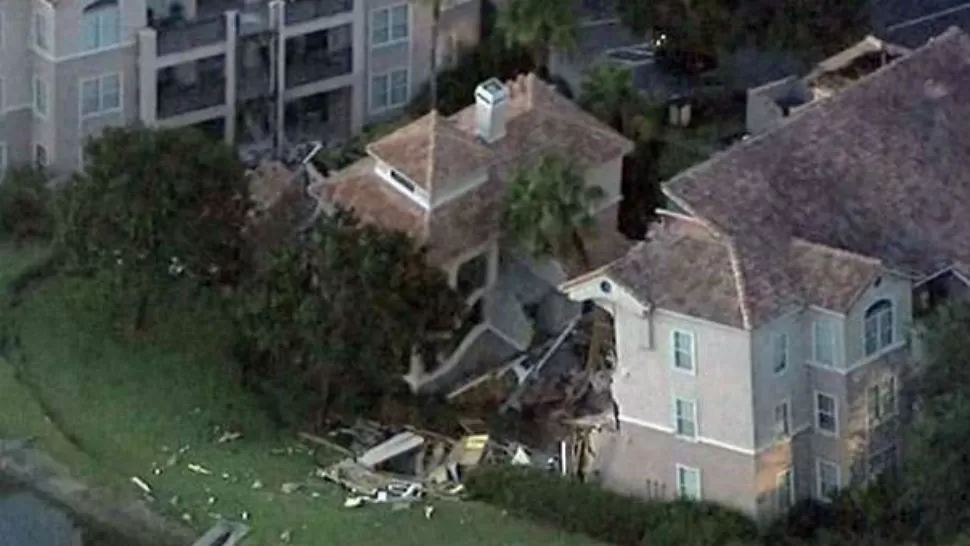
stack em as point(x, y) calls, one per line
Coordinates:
point(547, 205)
point(154, 204)
point(25, 204)
point(331, 323)
point(539, 25)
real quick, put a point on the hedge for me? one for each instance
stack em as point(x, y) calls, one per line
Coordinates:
point(604, 515)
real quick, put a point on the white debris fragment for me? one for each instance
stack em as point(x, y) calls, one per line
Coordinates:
point(257, 484)
point(226, 476)
point(245, 516)
point(354, 502)
point(285, 536)
point(199, 469)
point(289, 487)
point(183, 450)
point(228, 437)
point(141, 485)
point(187, 517)
point(428, 511)
point(174, 500)
point(211, 500)
point(172, 461)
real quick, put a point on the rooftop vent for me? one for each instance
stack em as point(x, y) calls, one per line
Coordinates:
point(491, 103)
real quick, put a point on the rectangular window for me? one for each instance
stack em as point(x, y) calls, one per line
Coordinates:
point(781, 352)
point(823, 342)
point(826, 413)
point(399, 87)
point(685, 417)
point(829, 479)
point(100, 95)
point(883, 461)
point(389, 90)
point(682, 355)
point(785, 489)
point(40, 96)
point(42, 31)
point(41, 158)
point(379, 92)
point(881, 400)
point(782, 420)
point(390, 25)
point(688, 482)
point(102, 28)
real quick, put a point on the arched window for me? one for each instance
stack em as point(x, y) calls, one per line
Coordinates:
point(879, 326)
point(102, 25)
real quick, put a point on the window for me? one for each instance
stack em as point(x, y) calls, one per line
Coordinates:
point(883, 461)
point(102, 27)
point(400, 179)
point(688, 482)
point(781, 353)
point(829, 479)
point(782, 420)
point(40, 96)
point(682, 350)
point(881, 400)
point(685, 418)
point(823, 342)
point(785, 489)
point(389, 90)
point(100, 95)
point(878, 326)
point(390, 25)
point(42, 31)
point(41, 158)
point(826, 413)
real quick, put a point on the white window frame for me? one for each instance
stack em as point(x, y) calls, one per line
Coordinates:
point(786, 475)
point(389, 10)
point(817, 324)
point(692, 418)
point(819, 483)
point(693, 351)
point(98, 15)
point(42, 42)
point(818, 411)
point(876, 318)
point(786, 433)
point(40, 84)
point(680, 468)
point(101, 110)
point(389, 78)
point(885, 388)
point(781, 353)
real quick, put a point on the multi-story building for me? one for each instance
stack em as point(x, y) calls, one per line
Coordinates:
point(764, 330)
point(255, 72)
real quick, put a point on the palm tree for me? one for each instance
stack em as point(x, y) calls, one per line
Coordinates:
point(539, 25)
point(547, 206)
point(609, 94)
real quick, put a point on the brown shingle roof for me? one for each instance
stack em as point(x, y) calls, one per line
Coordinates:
point(879, 170)
point(437, 152)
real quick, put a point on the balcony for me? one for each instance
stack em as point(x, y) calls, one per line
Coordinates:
point(176, 98)
point(318, 65)
point(177, 35)
point(298, 11)
point(254, 82)
point(211, 8)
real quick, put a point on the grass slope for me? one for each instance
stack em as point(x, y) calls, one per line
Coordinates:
point(130, 403)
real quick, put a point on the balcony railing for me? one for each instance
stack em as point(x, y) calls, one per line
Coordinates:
point(177, 35)
point(298, 11)
point(175, 99)
point(314, 66)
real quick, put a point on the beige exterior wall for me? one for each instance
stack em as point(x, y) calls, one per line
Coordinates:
point(607, 177)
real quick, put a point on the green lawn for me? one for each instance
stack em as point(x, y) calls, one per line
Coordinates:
point(130, 403)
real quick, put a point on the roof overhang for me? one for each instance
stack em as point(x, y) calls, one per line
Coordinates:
point(601, 287)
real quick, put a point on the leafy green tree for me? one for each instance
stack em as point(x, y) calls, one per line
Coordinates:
point(330, 325)
point(153, 205)
point(547, 207)
point(540, 26)
point(609, 94)
point(25, 204)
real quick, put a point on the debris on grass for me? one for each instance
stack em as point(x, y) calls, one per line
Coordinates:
point(428, 511)
point(257, 485)
point(290, 487)
point(141, 485)
point(174, 500)
point(285, 536)
point(183, 450)
point(244, 516)
point(186, 517)
point(172, 461)
point(199, 469)
point(228, 437)
point(211, 501)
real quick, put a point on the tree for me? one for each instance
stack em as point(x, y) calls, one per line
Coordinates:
point(539, 25)
point(153, 205)
point(25, 205)
point(936, 461)
point(548, 205)
point(609, 94)
point(332, 322)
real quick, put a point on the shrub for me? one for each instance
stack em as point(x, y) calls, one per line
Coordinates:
point(604, 515)
point(25, 205)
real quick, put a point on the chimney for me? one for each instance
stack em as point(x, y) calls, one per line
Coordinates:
point(491, 105)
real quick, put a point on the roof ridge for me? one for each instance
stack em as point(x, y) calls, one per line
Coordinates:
point(951, 33)
point(429, 177)
point(739, 282)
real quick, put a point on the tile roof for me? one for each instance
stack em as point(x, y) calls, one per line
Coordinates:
point(437, 152)
point(874, 177)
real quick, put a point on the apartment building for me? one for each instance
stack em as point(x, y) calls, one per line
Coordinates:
point(764, 330)
point(259, 73)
